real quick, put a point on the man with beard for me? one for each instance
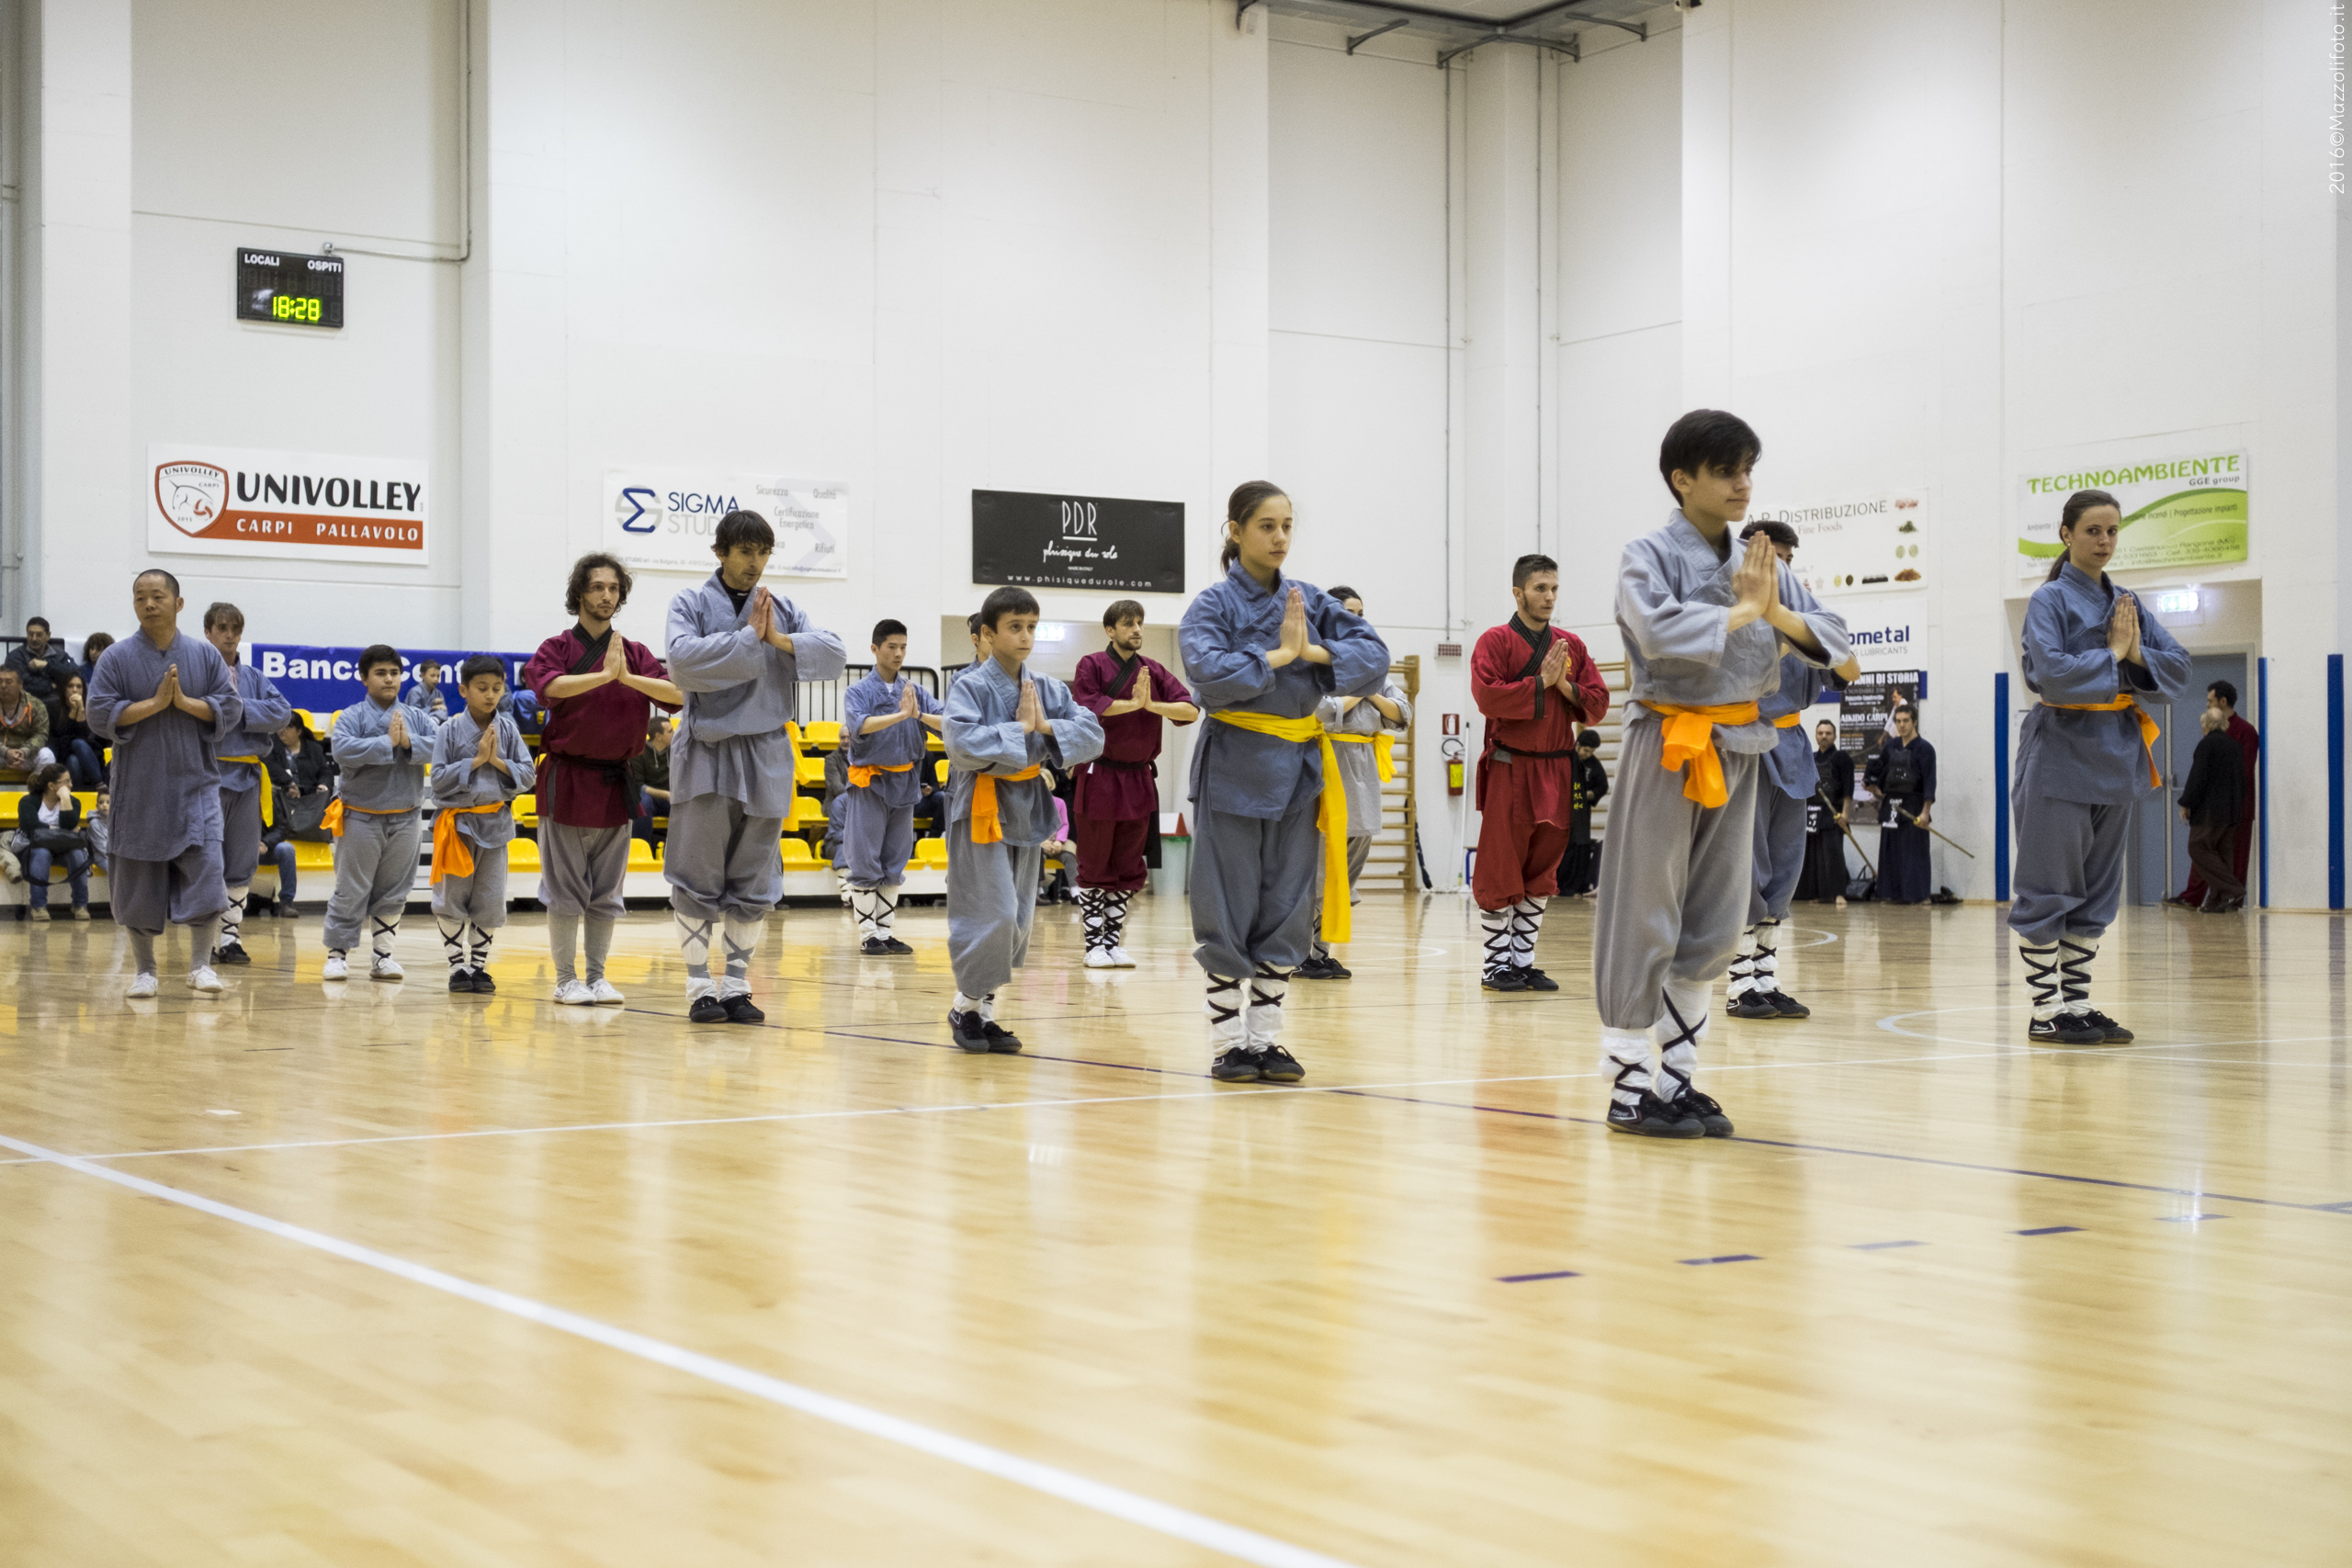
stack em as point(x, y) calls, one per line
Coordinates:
point(1116, 796)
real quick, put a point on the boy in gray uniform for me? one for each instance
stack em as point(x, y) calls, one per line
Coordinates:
point(382, 745)
point(480, 765)
point(1003, 725)
point(244, 783)
point(1363, 729)
point(1702, 626)
point(887, 725)
point(738, 653)
point(167, 704)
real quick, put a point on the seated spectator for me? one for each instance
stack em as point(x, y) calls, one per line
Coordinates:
point(48, 819)
point(310, 781)
point(426, 694)
point(71, 739)
point(931, 811)
point(42, 666)
point(277, 833)
point(524, 704)
point(100, 827)
point(92, 646)
point(649, 777)
point(1055, 883)
point(24, 726)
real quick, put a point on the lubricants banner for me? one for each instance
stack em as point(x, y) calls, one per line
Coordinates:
point(223, 501)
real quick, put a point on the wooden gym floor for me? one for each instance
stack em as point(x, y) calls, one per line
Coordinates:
point(370, 1274)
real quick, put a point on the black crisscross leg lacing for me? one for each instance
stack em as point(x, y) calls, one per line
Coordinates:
point(1498, 938)
point(1225, 1003)
point(2041, 978)
point(1677, 1056)
point(386, 932)
point(2075, 974)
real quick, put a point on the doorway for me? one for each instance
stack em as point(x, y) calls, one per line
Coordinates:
point(2158, 865)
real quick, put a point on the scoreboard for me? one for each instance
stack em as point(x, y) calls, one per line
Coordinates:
point(278, 286)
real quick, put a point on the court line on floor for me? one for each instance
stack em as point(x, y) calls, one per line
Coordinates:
point(1129, 1508)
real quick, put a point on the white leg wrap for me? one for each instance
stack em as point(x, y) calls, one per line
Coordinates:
point(453, 940)
point(1679, 1030)
point(1766, 968)
point(233, 918)
point(1498, 938)
point(865, 903)
point(1268, 987)
point(1225, 1003)
point(1526, 919)
point(1625, 1059)
point(1743, 966)
point(741, 936)
point(387, 933)
point(2074, 956)
point(2041, 979)
point(694, 945)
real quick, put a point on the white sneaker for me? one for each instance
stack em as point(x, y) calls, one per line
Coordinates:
point(335, 968)
point(202, 979)
point(601, 992)
point(36, 914)
point(1119, 959)
point(572, 994)
point(386, 967)
point(1100, 958)
point(144, 987)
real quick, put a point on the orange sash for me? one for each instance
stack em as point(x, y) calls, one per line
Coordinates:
point(2148, 730)
point(863, 777)
point(333, 820)
point(1690, 738)
point(986, 829)
point(1788, 721)
point(452, 856)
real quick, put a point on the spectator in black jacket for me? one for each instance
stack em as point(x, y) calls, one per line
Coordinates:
point(310, 781)
point(277, 833)
point(42, 665)
point(2211, 803)
point(1588, 786)
point(1825, 873)
point(92, 646)
point(82, 753)
point(50, 820)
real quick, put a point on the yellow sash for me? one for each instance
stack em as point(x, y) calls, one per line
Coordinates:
point(1690, 738)
point(1331, 811)
point(1386, 741)
point(452, 856)
point(266, 820)
point(2148, 731)
point(986, 829)
point(863, 777)
point(333, 820)
point(1788, 721)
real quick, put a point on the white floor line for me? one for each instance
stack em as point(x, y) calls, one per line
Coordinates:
point(1180, 1524)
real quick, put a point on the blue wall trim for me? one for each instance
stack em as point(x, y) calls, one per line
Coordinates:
point(2335, 781)
point(2001, 787)
point(2262, 781)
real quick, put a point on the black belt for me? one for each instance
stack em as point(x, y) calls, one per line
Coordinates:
point(1505, 754)
point(1130, 767)
point(615, 772)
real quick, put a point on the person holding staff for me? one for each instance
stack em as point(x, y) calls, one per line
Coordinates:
point(2085, 753)
point(1262, 652)
point(244, 783)
point(167, 705)
point(1580, 867)
point(887, 725)
point(1116, 794)
point(1826, 875)
point(1362, 731)
point(1903, 776)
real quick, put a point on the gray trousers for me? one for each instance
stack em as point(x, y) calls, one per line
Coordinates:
point(479, 899)
point(1780, 852)
point(240, 833)
point(1359, 851)
point(721, 861)
point(145, 894)
point(876, 841)
point(580, 869)
point(375, 866)
point(1675, 883)
point(2069, 868)
point(1256, 883)
point(991, 902)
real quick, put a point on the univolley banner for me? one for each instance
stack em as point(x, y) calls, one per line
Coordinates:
point(2177, 511)
point(324, 680)
point(229, 501)
point(663, 521)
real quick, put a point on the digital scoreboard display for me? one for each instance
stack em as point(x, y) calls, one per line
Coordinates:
point(278, 286)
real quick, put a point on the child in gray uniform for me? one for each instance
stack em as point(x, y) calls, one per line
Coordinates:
point(382, 745)
point(1363, 729)
point(480, 765)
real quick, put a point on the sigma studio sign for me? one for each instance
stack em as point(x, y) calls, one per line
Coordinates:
point(664, 521)
point(2186, 511)
point(1869, 544)
point(223, 501)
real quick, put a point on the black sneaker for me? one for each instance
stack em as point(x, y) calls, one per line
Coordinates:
point(1711, 1120)
point(234, 953)
point(1316, 968)
point(1535, 979)
point(1650, 1117)
point(706, 1010)
point(739, 1010)
point(1751, 1005)
point(1237, 1065)
point(1278, 1066)
point(484, 984)
point(1785, 1005)
point(1334, 970)
point(461, 982)
point(1002, 1041)
point(2110, 1032)
point(1503, 980)
point(874, 947)
point(971, 1035)
point(286, 910)
point(2066, 1029)
point(896, 948)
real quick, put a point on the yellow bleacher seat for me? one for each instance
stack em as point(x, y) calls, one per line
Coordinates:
point(642, 857)
point(931, 854)
point(522, 855)
point(809, 769)
point(527, 810)
point(309, 856)
point(825, 734)
point(808, 811)
point(933, 743)
point(797, 854)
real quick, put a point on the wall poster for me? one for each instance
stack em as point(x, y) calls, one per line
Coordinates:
point(226, 501)
point(663, 520)
point(2177, 511)
point(1078, 541)
point(1871, 544)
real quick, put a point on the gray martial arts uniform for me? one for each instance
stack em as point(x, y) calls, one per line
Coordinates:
point(582, 870)
point(1257, 851)
point(1791, 775)
point(1360, 766)
point(2078, 773)
point(242, 782)
point(878, 819)
point(731, 769)
point(375, 855)
point(993, 888)
point(1675, 882)
point(479, 899)
point(164, 850)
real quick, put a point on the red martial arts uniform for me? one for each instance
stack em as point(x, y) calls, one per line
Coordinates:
point(1117, 794)
point(2249, 741)
point(1527, 772)
point(589, 740)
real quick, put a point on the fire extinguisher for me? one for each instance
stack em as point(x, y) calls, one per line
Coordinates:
point(1450, 749)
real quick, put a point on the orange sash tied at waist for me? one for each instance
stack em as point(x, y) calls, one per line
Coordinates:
point(452, 856)
point(266, 819)
point(1690, 738)
point(333, 820)
point(2123, 701)
point(862, 776)
point(986, 829)
point(1788, 721)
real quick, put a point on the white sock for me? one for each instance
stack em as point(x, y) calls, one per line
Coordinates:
point(1680, 1027)
point(1527, 918)
point(963, 1004)
point(233, 918)
point(2041, 979)
point(693, 944)
point(865, 903)
point(387, 933)
point(1766, 968)
point(1226, 1029)
point(1268, 987)
point(1626, 1058)
point(1498, 940)
point(1743, 966)
point(741, 934)
point(480, 939)
point(2074, 956)
point(453, 940)
point(888, 898)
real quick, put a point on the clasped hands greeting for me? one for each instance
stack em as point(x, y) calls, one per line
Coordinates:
point(763, 621)
point(1296, 643)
